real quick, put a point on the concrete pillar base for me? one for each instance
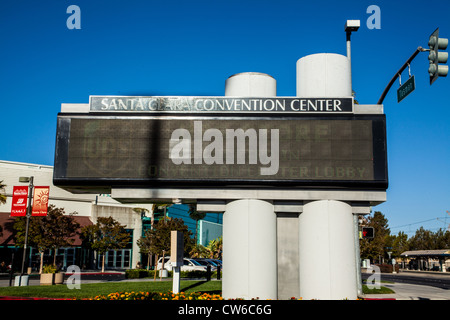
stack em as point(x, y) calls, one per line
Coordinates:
point(249, 250)
point(327, 252)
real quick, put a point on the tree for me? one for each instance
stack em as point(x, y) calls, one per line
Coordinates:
point(215, 248)
point(2, 200)
point(442, 239)
point(158, 210)
point(49, 232)
point(144, 244)
point(428, 240)
point(383, 242)
point(400, 244)
point(2, 195)
point(160, 236)
point(375, 248)
point(212, 251)
point(107, 234)
point(422, 240)
point(195, 215)
point(199, 251)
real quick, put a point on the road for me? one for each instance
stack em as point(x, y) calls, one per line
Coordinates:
point(437, 280)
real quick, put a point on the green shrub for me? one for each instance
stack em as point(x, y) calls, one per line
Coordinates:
point(388, 268)
point(49, 268)
point(138, 273)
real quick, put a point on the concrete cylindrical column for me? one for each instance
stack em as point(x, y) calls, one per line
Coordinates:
point(324, 75)
point(249, 250)
point(250, 226)
point(251, 84)
point(326, 251)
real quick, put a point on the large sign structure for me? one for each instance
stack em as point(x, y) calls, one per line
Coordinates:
point(280, 169)
point(173, 141)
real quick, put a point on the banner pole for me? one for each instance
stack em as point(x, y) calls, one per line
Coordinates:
point(30, 195)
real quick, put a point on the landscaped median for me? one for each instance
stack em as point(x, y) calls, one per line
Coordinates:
point(131, 290)
point(103, 289)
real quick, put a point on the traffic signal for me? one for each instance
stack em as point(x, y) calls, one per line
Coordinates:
point(367, 233)
point(435, 44)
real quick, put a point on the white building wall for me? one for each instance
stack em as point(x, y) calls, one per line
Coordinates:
point(90, 205)
point(43, 176)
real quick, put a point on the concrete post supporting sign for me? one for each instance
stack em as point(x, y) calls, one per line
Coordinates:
point(249, 250)
point(249, 226)
point(326, 251)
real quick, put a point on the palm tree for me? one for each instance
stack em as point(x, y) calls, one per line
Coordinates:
point(195, 215)
point(215, 247)
point(2, 195)
point(2, 200)
point(156, 209)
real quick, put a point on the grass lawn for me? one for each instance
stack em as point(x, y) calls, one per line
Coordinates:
point(382, 290)
point(90, 290)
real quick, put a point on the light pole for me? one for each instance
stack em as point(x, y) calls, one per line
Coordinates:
point(350, 26)
point(30, 195)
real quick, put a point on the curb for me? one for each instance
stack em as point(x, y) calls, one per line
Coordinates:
point(28, 298)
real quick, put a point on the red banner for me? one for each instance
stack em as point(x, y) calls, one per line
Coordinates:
point(19, 201)
point(40, 201)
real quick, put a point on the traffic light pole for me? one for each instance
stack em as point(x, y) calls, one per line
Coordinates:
point(388, 87)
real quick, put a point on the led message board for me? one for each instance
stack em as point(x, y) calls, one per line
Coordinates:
point(199, 151)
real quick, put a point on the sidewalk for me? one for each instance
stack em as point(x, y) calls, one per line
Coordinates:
point(404, 291)
point(90, 276)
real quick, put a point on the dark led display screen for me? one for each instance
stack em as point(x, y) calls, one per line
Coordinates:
point(330, 151)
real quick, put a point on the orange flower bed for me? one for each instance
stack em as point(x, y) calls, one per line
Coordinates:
point(142, 295)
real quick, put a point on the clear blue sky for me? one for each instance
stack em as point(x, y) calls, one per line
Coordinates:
point(179, 47)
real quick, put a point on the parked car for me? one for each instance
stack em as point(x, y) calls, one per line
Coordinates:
point(188, 265)
point(219, 261)
point(216, 261)
point(195, 265)
point(206, 263)
point(167, 264)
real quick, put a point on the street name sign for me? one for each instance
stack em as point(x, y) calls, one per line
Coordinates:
point(408, 87)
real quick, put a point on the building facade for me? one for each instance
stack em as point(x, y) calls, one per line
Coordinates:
point(206, 229)
point(88, 208)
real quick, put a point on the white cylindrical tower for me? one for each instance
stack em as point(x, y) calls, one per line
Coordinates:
point(324, 75)
point(250, 225)
point(251, 84)
point(327, 258)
